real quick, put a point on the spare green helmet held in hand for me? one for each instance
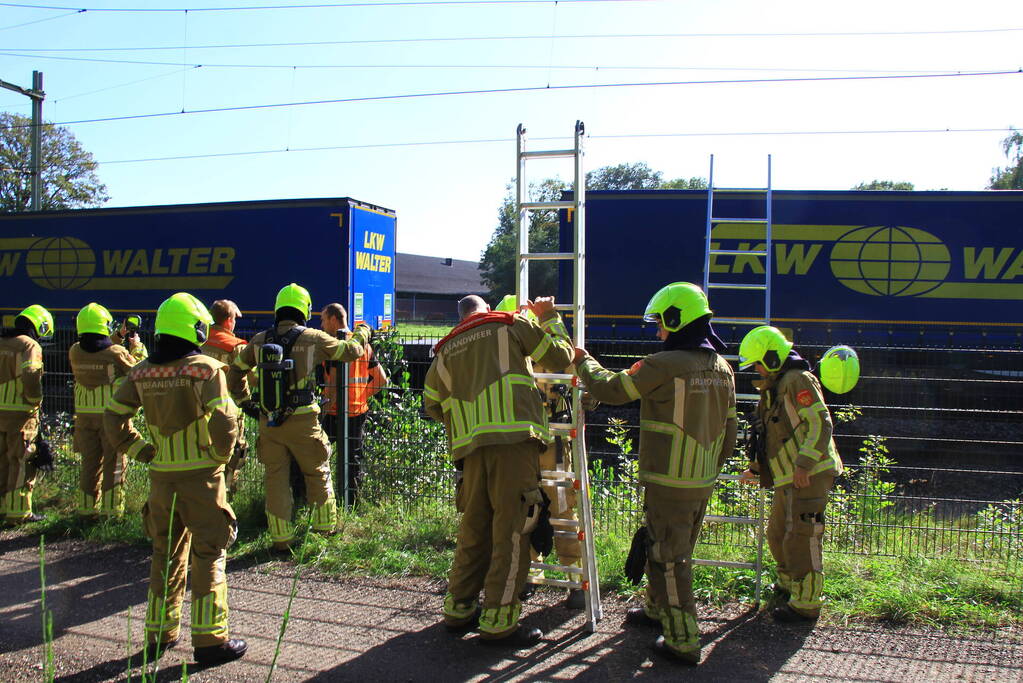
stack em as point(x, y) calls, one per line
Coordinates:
point(510, 304)
point(765, 345)
point(41, 319)
point(94, 319)
point(676, 305)
point(295, 296)
point(840, 369)
point(185, 317)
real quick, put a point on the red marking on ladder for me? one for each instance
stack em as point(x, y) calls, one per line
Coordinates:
point(572, 433)
point(576, 484)
point(581, 535)
point(586, 585)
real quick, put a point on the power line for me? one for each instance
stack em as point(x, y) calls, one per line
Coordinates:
point(505, 140)
point(581, 36)
point(39, 21)
point(498, 91)
point(325, 5)
point(566, 67)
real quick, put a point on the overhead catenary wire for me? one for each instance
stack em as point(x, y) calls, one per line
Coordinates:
point(505, 140)
point(522, 89)
point(321, 5)
point(39, 21)
point(446, 39)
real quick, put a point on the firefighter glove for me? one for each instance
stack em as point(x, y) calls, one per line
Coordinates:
point(42, 459)
point(250, 408)
point(635, 563)
point(542, 538)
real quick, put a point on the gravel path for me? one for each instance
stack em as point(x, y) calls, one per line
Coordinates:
point(359, 629)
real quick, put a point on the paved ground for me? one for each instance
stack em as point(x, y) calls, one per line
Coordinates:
point(386, 630)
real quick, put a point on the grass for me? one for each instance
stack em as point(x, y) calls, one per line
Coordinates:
point(419, 329)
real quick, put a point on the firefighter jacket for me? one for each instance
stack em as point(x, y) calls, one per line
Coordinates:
point(687, 416)
point(222, 345)
point(21, 374)
point(97, 374)
point(797, 427)
point(192, 421)
point(311, 348)
point(481, 384)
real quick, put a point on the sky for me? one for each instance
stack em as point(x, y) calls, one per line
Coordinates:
point(739, 80)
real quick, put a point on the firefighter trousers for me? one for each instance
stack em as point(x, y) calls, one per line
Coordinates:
point(300, 438)
point(190, 521)
point(559, 459)
point(500, 501)
point(101, 478)
point(795, 533)
point(673, 524)
point(17, 475)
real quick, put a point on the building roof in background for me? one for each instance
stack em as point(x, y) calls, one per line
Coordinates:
point(435, 275)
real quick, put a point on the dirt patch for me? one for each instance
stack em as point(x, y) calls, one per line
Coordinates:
point(362, 629)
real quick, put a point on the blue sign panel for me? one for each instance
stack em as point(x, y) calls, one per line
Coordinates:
point(372, 266)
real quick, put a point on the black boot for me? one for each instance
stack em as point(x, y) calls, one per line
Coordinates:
point(637, 616)
point(463, 626)
point(218, 654)
point(689, 657)
point(155, 650)
point(787, 615)
point(576, 599)
point(521, 637)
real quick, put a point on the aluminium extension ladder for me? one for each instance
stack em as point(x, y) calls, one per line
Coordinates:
point(585, 576)
point(754, 287)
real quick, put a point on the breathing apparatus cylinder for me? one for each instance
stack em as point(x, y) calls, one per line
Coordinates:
point(273, 369)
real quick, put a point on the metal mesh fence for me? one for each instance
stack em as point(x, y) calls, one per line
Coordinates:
point(947, 482)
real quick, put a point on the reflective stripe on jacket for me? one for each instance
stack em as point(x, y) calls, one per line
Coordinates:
point(21, 374)
point(481, 384)
point(687, 415)
point(798, 426)
point(96, 375)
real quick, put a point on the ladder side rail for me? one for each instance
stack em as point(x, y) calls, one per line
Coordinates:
point(768, 260)
point(710, 224)
point(523, 216)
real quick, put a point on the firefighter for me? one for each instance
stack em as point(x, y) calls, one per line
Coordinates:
point(557, 457)
point(98, 366)
point(687, 432)
point(224, 346)
point(366, 377)
point(127, 335)
point(193, 426)
point(799, 460)
point(481, 387)
point(21, 393)
point(292, 430)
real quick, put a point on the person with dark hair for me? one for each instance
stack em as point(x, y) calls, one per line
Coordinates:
point(98, 366)
point(801, 463)
point(21, 393)
point(366, 377)
point(193, 426)
point(225, 346)
point(284, 359)
point(688, 430)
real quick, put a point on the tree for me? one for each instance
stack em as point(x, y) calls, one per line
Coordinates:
point(884, 185)
point(69, 172)
point(1010, 177)
point(498, 263)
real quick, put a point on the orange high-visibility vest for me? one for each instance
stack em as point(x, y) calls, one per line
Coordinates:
point(359, 378)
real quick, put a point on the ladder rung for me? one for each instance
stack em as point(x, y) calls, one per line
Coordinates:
point(739, 189)
point(556, 474)
point(567, 534)
point(737, 252)
point(729, 477)
point(561, 426)
point(555, 377)
point(735, 285)
point(747, 397)
point(738, 321)
point(564, 307)
point(724, 563)
point(561, 583)
point(735, 220)
point(537, 206)
point(549, 154)
point(725, 519)
point(550, 256)
point(563, 568)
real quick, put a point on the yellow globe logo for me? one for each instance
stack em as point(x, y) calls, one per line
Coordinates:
point(882, 260)
point(60, 263)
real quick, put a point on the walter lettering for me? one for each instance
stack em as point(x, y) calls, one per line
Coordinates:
point(172, 261)
point(367, 260)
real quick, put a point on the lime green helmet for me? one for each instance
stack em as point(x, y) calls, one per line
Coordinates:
point(840, 369)
point(94, 319)
point(185, 317)
point(510, 304)
point(676, 305)
point(765, 345)
point(41, 319)
point(295, 296)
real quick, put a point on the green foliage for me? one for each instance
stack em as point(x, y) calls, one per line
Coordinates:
point(69, 172)
point(1000, 526)
point(885, 185)
point(1010, 177)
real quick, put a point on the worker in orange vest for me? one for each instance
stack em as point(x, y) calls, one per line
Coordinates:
point(366, 377)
